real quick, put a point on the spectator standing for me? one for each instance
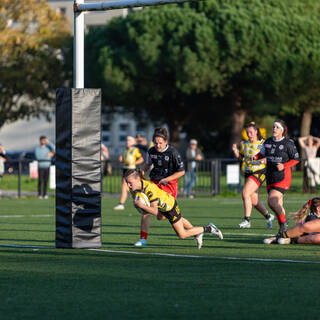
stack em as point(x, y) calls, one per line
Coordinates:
point(105, 160)
point(310, 146)
point(142, 145)
point(193, 156)
point(44, 154)
point(2, 161)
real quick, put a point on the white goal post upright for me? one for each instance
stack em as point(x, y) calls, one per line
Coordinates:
point(78, 39)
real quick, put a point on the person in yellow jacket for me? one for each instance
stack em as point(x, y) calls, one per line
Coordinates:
point(254, 173)
point(130, 158)
point(164, 206)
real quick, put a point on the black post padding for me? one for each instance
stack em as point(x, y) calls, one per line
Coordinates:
point(78, 168)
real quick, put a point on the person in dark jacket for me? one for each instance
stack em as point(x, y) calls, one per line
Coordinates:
point(193, 156)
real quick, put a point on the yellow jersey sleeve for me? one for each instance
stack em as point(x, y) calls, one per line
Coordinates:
point(137, 154)
point(241, 150)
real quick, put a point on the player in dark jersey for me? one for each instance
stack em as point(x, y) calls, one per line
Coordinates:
point(281, 154)
point(167, 169)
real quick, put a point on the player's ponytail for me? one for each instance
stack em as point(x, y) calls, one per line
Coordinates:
point(311, 205)
point(301, 214)
point(141, 174)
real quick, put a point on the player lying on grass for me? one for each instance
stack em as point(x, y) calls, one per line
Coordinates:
point(308, 228)
point(164, 206)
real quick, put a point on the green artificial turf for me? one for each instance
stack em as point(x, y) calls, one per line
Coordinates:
point(235, 278)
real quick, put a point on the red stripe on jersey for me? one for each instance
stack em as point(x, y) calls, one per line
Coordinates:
point(171, 187)
point(285, 183)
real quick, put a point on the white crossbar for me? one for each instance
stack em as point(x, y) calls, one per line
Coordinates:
point(120, 4)
point(80, 8)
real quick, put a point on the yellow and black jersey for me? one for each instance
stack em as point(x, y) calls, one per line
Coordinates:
point(165, 201)
point(130, 156)
point(249, 149)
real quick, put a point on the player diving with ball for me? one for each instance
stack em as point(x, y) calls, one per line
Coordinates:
point(164, 206)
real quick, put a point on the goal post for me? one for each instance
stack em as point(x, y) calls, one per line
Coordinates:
point(78, 142)
point(80, 8)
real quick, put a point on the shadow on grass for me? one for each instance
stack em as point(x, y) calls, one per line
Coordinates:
point(26, 240)
point(23, 230)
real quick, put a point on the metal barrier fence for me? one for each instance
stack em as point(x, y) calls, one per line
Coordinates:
point(211, 176)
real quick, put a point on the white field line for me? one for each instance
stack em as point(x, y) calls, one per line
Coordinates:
point(169, 254)
point(248, 234)
point(207, 257)
point(239, 201)
point(24, 215)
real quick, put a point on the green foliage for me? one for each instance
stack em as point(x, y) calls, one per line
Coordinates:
point(185, 63)
point(31, 63)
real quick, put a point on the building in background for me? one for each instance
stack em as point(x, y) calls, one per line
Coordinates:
point(93, 18)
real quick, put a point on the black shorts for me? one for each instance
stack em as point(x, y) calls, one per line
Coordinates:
point(283, 191)
point(174, 215)
point(258, 177)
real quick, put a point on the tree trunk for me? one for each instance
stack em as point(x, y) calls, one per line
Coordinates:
point(237, 119)
point(305, 131)
point(306, 121)
point(174, 133)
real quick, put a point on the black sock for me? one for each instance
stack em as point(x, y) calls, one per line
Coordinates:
point(206, 229)
point(267, 216)
point(247, 218)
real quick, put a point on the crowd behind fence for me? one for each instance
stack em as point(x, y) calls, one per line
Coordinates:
point(211, 177)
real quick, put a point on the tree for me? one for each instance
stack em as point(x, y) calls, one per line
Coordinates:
point(294, 75)
point(279, 40)
point(214, 61)
point(31, 62)
point(156, 62)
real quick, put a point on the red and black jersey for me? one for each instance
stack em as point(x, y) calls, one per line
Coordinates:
point(280, 151)
point(165, 163)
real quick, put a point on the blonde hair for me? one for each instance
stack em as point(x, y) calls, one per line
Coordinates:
point(301, 214)
point(135, 172)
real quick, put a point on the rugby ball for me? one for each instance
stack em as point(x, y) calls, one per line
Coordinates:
point(140, 196)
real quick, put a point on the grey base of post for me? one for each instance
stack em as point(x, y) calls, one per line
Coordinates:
point(78, 168)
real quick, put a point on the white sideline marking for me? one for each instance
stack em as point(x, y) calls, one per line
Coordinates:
point(169, 254)
point(23, 215)
point(207, 257)
point(249, 234)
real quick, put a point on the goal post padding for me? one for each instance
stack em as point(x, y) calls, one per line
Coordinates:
point(78, 168)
